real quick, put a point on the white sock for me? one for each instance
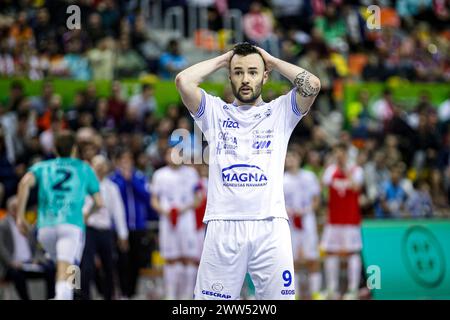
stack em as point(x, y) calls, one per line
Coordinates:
point(354, 271)
point(332, 272)
point(171, 275)
point(189, 277)
point(315, 282)
point(63, 291)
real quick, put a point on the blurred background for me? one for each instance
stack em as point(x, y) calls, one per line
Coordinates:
point(384, 68)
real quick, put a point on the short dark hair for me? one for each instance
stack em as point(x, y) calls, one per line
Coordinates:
point(244, 49)
point(64, 143)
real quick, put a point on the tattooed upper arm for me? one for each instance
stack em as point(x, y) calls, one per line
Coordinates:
point(307, 84)
point(308, 87)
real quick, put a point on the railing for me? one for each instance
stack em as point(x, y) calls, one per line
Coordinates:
point(174, 20)
point(233, 21)
point(197, 19)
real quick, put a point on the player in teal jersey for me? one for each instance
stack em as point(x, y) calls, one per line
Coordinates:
point(63, 184)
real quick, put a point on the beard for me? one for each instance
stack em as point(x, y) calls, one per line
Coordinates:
point(255, 93)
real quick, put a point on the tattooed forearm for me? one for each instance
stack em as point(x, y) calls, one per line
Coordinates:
point(306, 87)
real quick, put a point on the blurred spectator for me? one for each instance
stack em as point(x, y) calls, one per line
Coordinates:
point(134, 190)
point(144, 102)
point(287, 13)
point(57, 65)
point(101, 59)
point(101, 119)
point(19, 258)
point(91, 97)
point(444, 110)
point(44, 32)
point(392, 200)
point(419, 204)
point(129, 63)
point(332, 27)
point(53, 111)
point(16, 95)
point(95, 29)
point(374, 70)
point(110, 17)
point(383, 108)
point(375, 174)
point(51, 123)
point(41, 103)
point(116, 105)
point(258, 25)
point(391, 150)
point(7, 67)
point(8, 179)
point(439, 192)
point(74, 112)
point(172, 61)
point(26, 129)
point(20, 32)
point(426, 144)
point(76, 62)
point(99, 233)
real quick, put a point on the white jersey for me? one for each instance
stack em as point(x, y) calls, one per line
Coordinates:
point(175, 187)
point(113, 211)
point(300, 189)
point(247, 150)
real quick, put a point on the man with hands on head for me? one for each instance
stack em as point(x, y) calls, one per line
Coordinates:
point(247, 223)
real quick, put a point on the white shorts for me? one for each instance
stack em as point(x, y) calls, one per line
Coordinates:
point(63, 242)
point(305, 242)
point(341, 238)
point(179, 241)
point(234, 247)
point(200, 234)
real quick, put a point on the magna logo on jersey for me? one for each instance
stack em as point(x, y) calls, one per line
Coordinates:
point(229, 124)
point(243, 175)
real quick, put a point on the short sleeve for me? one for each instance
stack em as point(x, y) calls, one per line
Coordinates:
point(358, 176)
point(195, 178)
point(93, 186)
point(204, 117)
point(164, 60)
point(328, 175)
point(314, 185)
point(287, 106)
point(36, 170)
point(155, 185)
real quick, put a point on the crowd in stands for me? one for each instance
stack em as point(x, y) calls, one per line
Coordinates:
point(344, 39)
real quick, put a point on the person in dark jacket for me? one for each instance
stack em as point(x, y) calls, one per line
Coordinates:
point(134, 190)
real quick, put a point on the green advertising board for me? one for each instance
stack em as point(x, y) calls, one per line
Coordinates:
point(411, 258)
point(165, 91)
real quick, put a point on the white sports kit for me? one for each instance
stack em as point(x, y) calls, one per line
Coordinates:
point(299, 191)
point(247, 223)
point(175, 188)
